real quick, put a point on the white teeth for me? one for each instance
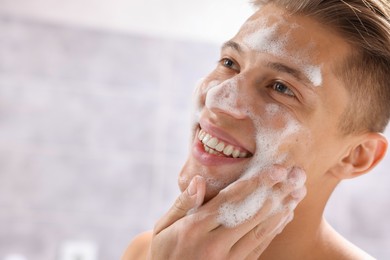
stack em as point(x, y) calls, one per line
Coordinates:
point(220, 146)
point(209, 150)
point(213, 146)
point(212, 143)
point(235, 153)
point(206, 138)
point(213, 151)
point(243, 155)
point(228, 150)
point(201, 135)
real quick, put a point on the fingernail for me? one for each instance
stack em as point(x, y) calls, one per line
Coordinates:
point(192, 187)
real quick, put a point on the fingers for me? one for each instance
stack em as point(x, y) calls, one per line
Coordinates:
point(258, 239)
point(241, 200)
point(264, 241)
point(230, 206)
point(243, 187)
point(191, 198)
point(270, 221)
point(242, 219)
point(260, 205)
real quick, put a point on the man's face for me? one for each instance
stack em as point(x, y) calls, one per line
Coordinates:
point(272, 99)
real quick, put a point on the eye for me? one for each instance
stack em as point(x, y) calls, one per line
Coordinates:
point(230, 64)
point(227, 62)
point(283, 89)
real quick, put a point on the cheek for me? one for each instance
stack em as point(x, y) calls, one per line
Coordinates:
point(201, 89)
point(280, 139)
point(199, 97)
point(299, 149)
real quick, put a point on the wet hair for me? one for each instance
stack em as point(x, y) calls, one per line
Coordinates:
point(365, 25)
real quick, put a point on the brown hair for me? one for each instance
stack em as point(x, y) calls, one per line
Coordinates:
point(365, 25)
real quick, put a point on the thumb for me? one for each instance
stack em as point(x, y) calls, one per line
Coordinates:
point(191, 198)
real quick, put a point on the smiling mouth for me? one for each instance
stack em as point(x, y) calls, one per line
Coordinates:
point(213, 145)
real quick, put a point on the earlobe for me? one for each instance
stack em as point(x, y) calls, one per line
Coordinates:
point(368, 151)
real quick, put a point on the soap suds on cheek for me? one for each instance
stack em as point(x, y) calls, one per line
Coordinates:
point(268, 142)
point(226, 96)
point(197, 104)
point(199, 91)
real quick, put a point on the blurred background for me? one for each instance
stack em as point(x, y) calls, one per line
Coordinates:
point(95, 100)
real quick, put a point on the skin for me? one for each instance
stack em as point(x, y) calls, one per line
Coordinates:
point(317, 148)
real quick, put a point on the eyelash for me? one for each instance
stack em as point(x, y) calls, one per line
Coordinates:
point(278, 83)
point(223, 62)
point(290, 93)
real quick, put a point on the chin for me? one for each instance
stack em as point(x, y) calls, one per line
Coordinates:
point(216, 167)
point(215, 182)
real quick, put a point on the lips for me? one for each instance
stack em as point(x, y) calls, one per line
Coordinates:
point(216, 146)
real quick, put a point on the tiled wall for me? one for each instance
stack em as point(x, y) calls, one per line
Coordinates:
point(94, 127)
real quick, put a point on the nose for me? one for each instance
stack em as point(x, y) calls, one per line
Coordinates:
point(228, 98)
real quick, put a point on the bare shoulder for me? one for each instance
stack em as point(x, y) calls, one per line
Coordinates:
point(337, 247)
point(138, 248)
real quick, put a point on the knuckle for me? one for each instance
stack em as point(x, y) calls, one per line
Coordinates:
point(213, 250)
point(259, 233)
point(229, 195)
point(191, 226)
point(297, 177)
point(180, 204)
point(278, 173)
point(258, 250)
point(299, 194)
point(187, 231)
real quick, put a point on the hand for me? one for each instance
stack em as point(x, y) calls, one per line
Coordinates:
point(190, 230)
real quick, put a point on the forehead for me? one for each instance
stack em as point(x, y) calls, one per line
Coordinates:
point(298, 40)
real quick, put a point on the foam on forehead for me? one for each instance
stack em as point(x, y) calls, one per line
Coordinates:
point(269, 35)
point(263, 37)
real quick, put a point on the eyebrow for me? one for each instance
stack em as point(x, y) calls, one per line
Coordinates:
point(233, 45)
point(283, 68)
point(277, 66)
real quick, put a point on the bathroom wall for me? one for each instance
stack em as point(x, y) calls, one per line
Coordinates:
point(94, 127)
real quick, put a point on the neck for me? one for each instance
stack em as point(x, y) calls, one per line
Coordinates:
point(305, 234)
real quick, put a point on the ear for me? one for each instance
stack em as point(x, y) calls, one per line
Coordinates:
point(368, 151)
